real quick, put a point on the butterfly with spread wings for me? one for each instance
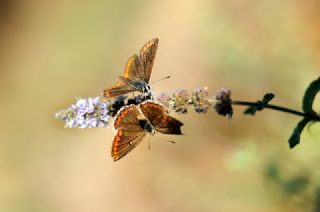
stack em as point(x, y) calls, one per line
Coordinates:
point(137, 72)
point(132, 126)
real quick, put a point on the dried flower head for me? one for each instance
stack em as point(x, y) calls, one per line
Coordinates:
point(200, 101)
point(165, 99)
point(86, 113)
point(180, 101)
point(223, 102)
point(177, 102)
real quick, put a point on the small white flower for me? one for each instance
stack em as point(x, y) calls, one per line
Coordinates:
point(104, 111)
point(81, 112)
point(81, 103)
point(92, 122)
point(70, 124)
point(90, 109)
point(105, 118)
point(86, 113)
point(96, 101)
point(104, 105)
point(83, 125)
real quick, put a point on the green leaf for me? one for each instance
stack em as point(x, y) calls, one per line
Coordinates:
point(309, 96)
point(250, 110)
point(260, 105)
point(295, 137)
point(267, 98)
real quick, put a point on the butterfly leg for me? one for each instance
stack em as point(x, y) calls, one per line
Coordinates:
point(149, 143)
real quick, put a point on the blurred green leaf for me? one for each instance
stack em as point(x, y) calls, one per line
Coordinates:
point(251, 110)
point(317, 200)
point(296, 184)
point(309, 96)
point(272, 171)
point(295, 137)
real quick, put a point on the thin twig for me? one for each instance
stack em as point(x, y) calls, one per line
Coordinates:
point(279, 108)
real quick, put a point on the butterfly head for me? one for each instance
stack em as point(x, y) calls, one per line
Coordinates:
point(142, 86)
point(147, 88)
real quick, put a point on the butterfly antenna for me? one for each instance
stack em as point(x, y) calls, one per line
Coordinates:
point(167, 77)
point(173, 142)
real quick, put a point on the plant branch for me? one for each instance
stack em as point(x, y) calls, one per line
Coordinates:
point(279, 108)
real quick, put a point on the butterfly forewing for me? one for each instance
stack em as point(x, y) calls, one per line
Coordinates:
point(161, 122)
point(147, 56)
point(127, 118)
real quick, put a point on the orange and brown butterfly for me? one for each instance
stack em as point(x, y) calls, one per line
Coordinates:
point(132, 126)
point(137, 72)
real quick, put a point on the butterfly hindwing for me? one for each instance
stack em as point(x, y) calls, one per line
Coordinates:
point(118, 89)
point(132, 67)
point(130, 73)
point(160, 121)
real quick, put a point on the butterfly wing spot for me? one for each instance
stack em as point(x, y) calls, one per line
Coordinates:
point(120, 133)
point(116, 144)
point(119, 118)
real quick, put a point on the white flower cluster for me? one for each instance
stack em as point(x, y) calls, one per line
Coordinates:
point(86, 113)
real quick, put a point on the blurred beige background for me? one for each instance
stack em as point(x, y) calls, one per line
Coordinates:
point(54, 51)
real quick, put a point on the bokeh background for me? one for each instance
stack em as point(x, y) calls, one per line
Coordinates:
point(54, 51)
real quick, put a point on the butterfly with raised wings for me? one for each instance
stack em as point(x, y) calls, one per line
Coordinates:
point(132, 126)
point(137, 72)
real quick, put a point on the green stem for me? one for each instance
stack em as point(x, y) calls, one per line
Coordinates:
point(279, 108)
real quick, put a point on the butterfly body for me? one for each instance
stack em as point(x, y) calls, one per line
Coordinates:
point(147, 127)
point(132, 126)
point(137, 72)
point(136, 85)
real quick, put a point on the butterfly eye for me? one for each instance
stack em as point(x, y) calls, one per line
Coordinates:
point(147, 89)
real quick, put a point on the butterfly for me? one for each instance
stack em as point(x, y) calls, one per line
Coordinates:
point(137, 72)
point(132, 126)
